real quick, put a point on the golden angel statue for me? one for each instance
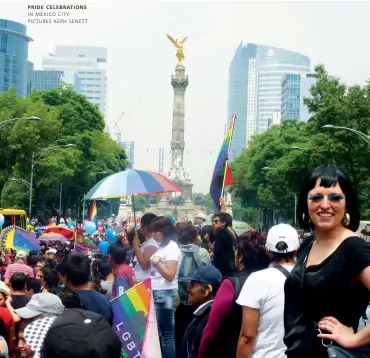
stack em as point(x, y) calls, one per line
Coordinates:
point(179, 44)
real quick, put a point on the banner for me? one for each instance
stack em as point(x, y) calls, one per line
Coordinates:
point(94, 214)
point(135, 322)
point(19, 239)
point(222, 174)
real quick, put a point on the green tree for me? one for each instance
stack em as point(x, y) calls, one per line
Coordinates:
point(66, 118)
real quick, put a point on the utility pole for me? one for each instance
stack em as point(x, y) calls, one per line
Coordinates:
point(60, 198)
point(161, 160)
point(295, 210)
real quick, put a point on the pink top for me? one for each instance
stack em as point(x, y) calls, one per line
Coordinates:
point(221, 308)
point(18, 267)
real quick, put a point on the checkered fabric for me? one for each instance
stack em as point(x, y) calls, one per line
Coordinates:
point(35, 332)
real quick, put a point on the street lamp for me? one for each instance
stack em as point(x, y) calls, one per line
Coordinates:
point(295, 147)
point(32, 118)
point(35, 158)
point(365, 137)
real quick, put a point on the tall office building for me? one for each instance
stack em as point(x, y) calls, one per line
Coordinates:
point(294, 89)
point(14, 64)
point(255, 76)
point(129, 148)
point(46, 80)
point(81, 67)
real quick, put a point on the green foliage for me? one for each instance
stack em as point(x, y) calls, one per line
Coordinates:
point(206, 201)
point(269, 172)
point(66, 118)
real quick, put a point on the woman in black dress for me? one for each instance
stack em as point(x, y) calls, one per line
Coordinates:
point(329, 288)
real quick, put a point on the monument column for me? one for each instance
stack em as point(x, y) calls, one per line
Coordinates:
point(179, 84)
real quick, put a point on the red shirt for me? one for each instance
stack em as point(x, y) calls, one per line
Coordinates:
point(124, 279)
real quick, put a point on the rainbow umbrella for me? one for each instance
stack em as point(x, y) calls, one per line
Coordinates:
point(19, 239)
point(131, 182)
point(66, 233)
point(52, 236)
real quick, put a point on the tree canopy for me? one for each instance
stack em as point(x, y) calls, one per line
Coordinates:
point(67, 118)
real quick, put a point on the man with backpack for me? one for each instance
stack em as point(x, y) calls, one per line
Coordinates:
point(193, 257)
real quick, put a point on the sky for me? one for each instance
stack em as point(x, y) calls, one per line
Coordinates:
point(141, 60)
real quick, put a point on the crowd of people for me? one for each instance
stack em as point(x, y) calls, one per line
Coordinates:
point(216, 294)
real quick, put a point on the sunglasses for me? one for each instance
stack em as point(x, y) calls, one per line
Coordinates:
point(216, 221)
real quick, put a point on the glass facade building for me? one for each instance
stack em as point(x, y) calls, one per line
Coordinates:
point(304, 92)
point(14, 65)
point(290, 97)
point(294, 89)
point(45, 80)
point(256, 73)
point(82, 69)
point(242, 86)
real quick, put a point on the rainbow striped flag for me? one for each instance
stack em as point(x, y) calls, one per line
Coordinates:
point(94, 213)
point(52, 222)
point(19, 239)
point(135, 322)
point(222, 176)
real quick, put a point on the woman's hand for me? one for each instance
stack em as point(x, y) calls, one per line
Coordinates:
point(155, 260)
point(136, 242)
point(338, 332)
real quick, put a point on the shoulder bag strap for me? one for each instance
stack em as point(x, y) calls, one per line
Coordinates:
point(283, 270)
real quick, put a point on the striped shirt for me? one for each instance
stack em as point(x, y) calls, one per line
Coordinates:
point(20, 267)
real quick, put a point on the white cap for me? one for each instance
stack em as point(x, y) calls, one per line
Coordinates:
point(21, 255)
point(51, 251)
point(285, 233)
point(201, 216)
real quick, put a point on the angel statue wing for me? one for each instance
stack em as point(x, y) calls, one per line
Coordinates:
point(173, 41)
point(183, 40)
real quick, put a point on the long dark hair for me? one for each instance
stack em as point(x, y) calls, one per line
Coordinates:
point(164, 225)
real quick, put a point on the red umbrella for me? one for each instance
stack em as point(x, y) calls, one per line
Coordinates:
point(68, 234)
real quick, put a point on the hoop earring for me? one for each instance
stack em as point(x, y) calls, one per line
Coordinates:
point(304, 217)
point(346, 220)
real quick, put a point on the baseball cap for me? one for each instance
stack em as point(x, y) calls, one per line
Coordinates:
point(79, 334)
point(4, 288)
point(201, 216)
point(51, 251)
point(41, 303)
point(285, 233)
point(208, 275)
point(35, 333)
point(21, 254)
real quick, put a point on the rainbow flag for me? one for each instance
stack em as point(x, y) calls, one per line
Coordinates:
point(19, 239)
point(94, 213)
point(222, 176)
point(52, 222)
point(135, 322)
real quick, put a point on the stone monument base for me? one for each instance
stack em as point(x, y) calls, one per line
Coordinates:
point(186, 212)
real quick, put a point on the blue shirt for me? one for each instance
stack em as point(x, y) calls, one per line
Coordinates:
point(96, 302)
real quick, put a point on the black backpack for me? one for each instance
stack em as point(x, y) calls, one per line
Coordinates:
point(190, 262)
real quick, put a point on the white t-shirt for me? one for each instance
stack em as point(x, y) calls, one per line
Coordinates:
point(264, 290)
point(140, 273)
point(171, 252)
